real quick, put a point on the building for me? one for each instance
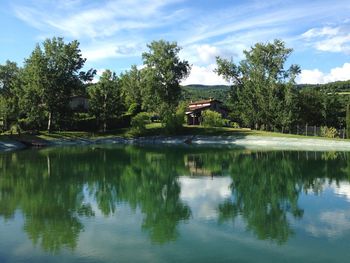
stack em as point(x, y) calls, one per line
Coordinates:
point(195, 109)
point(79, 103)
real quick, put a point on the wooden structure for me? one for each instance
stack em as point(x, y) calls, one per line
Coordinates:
point(79, 103)
point(195, 109)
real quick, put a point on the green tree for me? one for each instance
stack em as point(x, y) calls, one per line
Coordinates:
point(164, 71)
point(131, 85)
point(10, 77)
point(212, 119)
point(52, 74)
point(348, 121)
point(105, 101)
point(263, 89)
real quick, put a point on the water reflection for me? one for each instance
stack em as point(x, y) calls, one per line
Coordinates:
point(55, 189)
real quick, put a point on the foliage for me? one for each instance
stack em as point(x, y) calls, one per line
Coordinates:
point(348, 121)
point(173, 121)
point(131, 85)
point(235, 125)
point(212, 119)
point(105, 101)
point(138, 123)
point(163, 72)
point(51, 75)
point(263, 91)
point(203, 92)
point(10, 85)
point(329, 132)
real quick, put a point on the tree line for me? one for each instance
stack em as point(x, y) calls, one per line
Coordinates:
point(263, 94)
point(37, 95)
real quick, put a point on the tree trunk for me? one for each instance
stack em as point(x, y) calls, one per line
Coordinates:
point(49, 122)
point(104, 126)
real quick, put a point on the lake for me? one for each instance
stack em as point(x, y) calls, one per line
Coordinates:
point(174, 204)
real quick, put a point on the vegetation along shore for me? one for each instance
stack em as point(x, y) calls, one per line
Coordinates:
point(53, 99)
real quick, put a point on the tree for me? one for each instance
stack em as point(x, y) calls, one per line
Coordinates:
point(131, 85)
point(263, 90)
point(52, 74)
point(348, 121)
point(164, 71)
point(105, 99)
point(212, 119)
point(10, 75)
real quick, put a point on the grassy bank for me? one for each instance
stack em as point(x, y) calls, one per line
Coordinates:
point(153, 129)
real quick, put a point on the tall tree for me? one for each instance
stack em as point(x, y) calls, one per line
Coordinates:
point(131, 85)
point(164, 71)
point(10, 77)
point(263, 87)
point(52, 74)
point(348, 121)
point(105, 101)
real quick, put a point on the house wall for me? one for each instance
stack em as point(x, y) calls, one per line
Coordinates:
point(79, 103)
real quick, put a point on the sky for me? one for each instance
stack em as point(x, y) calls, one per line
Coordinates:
point(113, 34)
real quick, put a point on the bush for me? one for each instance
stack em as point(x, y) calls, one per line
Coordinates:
point(235, 125)
point(173, 121)
point(138, 123)
point(15, 128)
point(329, 132)
point(212, 119)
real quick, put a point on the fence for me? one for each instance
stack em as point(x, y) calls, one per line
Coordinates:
point(313, 131)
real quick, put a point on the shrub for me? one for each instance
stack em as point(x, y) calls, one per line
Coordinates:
point(138, 123)
point(329, 132)
point(235, 125)
point(212, 119)
point(15, 128)
point(173, 121)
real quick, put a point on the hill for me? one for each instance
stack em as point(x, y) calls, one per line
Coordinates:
point(199, 92)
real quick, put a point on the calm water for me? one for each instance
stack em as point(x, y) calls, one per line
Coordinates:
point(130, 204)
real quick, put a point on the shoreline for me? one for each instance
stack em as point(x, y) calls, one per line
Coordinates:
point(243, 142)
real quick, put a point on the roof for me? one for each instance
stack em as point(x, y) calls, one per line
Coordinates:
point(204, 101)
point(189, 111)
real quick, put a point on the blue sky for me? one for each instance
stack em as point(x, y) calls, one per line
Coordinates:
point(114, 33)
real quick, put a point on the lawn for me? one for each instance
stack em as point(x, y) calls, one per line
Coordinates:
point(153, 129)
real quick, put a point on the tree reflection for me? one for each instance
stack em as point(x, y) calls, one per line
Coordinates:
point(55, 188)
point(266, 188)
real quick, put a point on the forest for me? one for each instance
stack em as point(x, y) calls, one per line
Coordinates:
point(262, 95)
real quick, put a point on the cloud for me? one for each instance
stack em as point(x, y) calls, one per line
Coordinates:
point(98, 51)
point(204, 195)
point(317, 32)
point(73, 19)
point(329, 39)
point(315, 76)
point(343, 190)
point(204, 75)
point(331, 224)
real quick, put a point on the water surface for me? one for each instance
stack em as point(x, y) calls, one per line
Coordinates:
point(174, 204)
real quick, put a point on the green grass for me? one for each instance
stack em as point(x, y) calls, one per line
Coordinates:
point(152, 129)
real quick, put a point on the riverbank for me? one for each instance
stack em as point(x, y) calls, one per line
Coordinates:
point(257, 142)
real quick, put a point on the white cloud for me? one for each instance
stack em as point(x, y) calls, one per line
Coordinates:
point(98, 51)
point(329, 39)
point(331, 224)
point(313, 76)
point(207, 53)
point(342, 189)
point(325, 31)
point(204, 75)
point(316, 76)
point(204, 195)
point(98, 20)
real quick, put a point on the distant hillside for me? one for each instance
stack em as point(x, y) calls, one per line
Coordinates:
point(220, 92)
point(338, 86)
point(199, 92)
